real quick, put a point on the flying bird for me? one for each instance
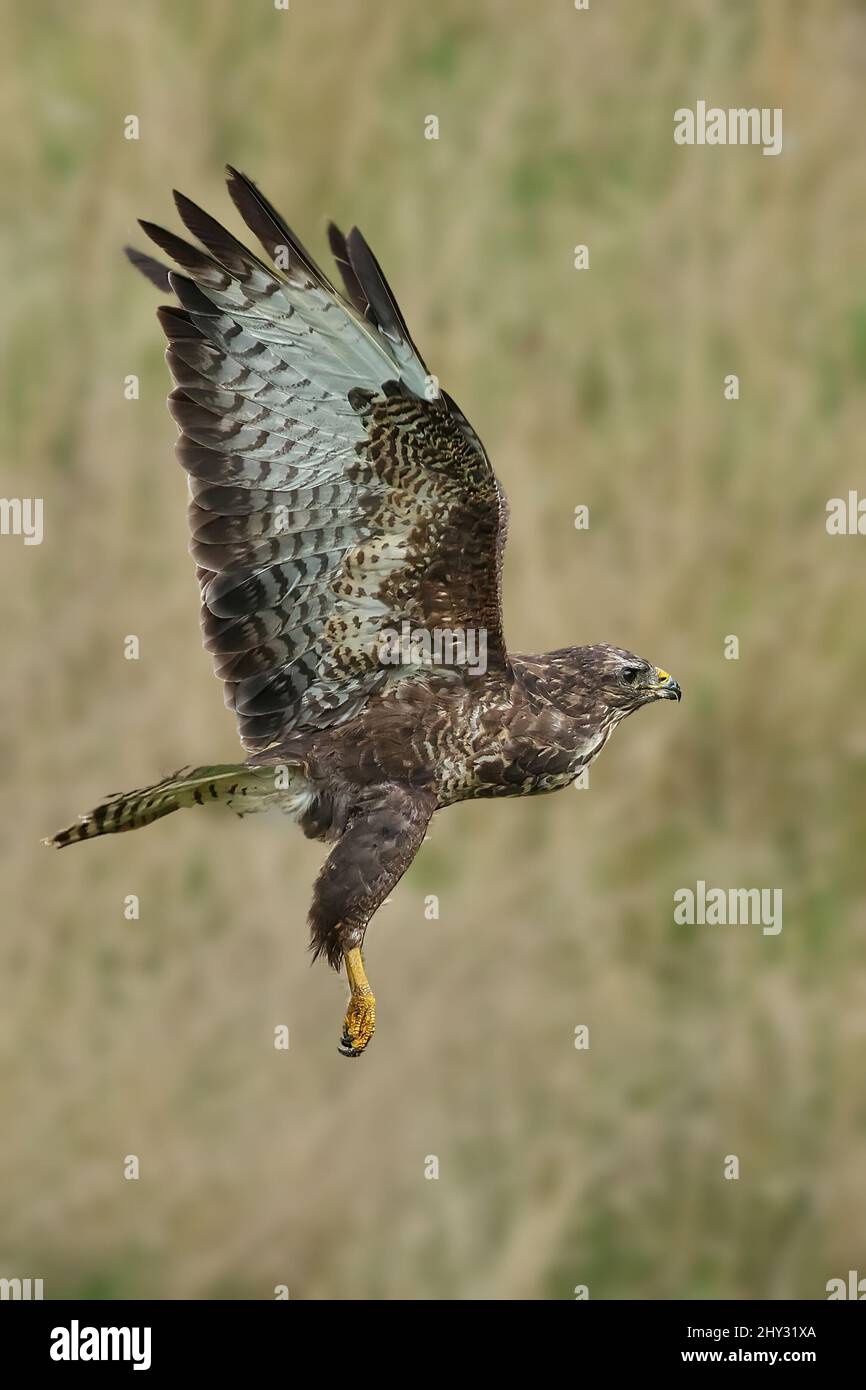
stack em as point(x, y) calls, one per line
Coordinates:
point(348, 532)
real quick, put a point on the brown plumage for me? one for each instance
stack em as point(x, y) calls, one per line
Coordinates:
point(348, 533)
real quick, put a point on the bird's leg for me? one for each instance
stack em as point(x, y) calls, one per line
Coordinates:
point(360, 1021)
point(374, 851)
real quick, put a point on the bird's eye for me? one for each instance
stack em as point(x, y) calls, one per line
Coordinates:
point(630, 674)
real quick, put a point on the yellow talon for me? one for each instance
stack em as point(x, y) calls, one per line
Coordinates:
point(360, 1022)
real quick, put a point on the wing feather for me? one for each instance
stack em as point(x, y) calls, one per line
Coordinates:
point(330, 499)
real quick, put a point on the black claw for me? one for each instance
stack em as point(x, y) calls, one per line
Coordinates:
point(347, 1047)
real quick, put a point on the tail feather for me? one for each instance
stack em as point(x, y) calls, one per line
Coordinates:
point(236, 786)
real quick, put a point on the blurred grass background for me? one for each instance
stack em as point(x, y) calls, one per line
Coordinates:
point(155, 1037)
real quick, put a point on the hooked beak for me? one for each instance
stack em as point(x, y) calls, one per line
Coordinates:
point(665, 687)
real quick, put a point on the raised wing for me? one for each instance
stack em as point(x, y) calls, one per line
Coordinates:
point(332, 500)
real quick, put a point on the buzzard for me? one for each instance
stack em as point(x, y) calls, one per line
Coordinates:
point(338, 498)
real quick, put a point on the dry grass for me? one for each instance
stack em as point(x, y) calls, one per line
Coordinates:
point(557, 1167)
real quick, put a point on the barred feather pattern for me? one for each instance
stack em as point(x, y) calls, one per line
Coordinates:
point(330, 499)
point(234, 787)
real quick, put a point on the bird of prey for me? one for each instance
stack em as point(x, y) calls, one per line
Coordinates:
point(348, 533)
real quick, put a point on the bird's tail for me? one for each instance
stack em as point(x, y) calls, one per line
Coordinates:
point(236, 786)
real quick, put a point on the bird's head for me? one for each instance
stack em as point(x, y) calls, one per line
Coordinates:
point(599, 684)
point(622, 681)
